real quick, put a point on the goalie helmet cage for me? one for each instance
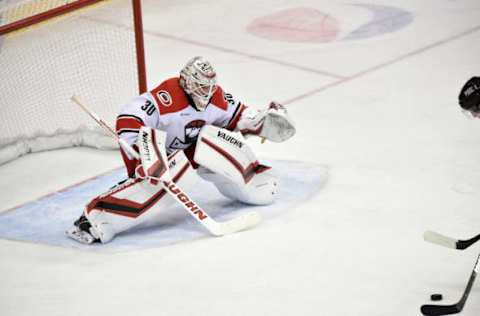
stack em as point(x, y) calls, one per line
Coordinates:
point(52, 49)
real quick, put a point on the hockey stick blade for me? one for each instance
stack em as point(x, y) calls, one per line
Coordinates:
point(439, 239)
point(449, 242)
point(237, 224)
point(437, 310)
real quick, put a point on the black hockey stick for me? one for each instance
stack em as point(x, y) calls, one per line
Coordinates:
point(437, 310)
point(449, 242)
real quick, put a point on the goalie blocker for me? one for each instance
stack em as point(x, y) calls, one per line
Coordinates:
point(224, 158)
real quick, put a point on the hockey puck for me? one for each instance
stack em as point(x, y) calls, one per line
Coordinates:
point(436, 297)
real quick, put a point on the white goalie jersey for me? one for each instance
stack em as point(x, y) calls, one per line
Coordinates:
point(169, 109)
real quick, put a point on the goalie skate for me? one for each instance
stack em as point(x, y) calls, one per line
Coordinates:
point(80, 235)
point(81, 231)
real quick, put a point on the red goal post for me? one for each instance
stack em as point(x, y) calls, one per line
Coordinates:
point(52, 49)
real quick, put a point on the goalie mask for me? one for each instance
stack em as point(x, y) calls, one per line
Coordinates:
point(199, 81)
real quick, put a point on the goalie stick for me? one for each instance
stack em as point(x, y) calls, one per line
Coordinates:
point(239, 223)
point(449, 242)
point(437, 310)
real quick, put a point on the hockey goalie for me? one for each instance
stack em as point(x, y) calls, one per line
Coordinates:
point(185, 125)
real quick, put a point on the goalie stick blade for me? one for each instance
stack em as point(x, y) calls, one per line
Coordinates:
point(437, 310)
point(439, 239)
point(237, 224)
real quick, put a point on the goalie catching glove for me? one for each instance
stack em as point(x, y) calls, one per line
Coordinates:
point(273, 123)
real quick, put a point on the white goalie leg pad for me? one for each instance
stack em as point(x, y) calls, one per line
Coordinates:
point(260, 190)
point(273, 123)
point(136, 201)
point(232, 166)
point(226, 153)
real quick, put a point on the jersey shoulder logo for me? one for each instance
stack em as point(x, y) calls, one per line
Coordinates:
point(164, 97)
point(169, 96)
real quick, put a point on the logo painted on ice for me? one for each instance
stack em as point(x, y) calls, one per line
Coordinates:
point(311, 25)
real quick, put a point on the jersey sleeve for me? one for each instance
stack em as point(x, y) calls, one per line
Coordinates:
point(233, 109)
point(141, 111)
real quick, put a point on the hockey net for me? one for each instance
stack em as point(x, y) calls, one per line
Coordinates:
point(52, 49)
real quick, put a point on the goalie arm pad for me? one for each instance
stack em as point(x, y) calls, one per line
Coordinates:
point(273, 123)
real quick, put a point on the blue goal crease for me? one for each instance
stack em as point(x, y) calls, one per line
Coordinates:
point(45, 220)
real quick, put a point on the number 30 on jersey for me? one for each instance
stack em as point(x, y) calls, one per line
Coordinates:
point(148, 107)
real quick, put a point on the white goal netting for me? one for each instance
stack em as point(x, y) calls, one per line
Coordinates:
point(89, 52)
